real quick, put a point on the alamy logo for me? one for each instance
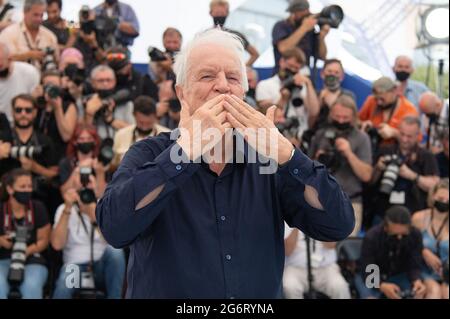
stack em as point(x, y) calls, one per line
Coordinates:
point(373, 276)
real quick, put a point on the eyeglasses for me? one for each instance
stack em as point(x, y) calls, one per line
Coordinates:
point(27, 110)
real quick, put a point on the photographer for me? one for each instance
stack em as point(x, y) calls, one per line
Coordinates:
point(327, 277)
point(57, 114)
point(102, 110)
point(345, 150)
point(15, 78)
point(219, 11)
point(75, 232)
point(28, 40)
point(383, 111)
point(404, 172)
point(433, 223)
point(31, 149)
point(146, 125)
point(60, 27)
point(436, 122)
point(127, 77)
point(17, 209)
point(298, 31)
point(395, 247)
point(127, 28)
point(83, 153)
point(290, 91)
point(442, 157)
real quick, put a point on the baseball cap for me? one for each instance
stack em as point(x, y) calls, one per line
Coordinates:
point(384, 84)
point(298, 5)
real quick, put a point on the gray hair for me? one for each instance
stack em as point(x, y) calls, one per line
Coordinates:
point(101, 68)
point(411, 120)
point(212, 36)
point(29, 3)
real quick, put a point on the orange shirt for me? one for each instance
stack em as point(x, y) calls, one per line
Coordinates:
point(370, 112)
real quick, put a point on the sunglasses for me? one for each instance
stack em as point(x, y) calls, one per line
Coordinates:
point(116, 57)
point(28, 110)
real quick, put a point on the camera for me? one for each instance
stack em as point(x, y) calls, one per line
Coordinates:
point(75, 74)
point(106, 154)
point(289, 82)
point(407, 294)
point(87, 195)
point(289, 128)
point(174, 105)
point(52, 91)
point(393, 163)
point(18, 259)
point(331, 158)
point(375, 138)
point(25, 151)
point(331, 15)
point(156, 55)
point(49, 62)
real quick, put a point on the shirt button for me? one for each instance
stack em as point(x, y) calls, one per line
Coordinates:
point(223, 218)
point(296, 171)
point(178, 167)
point(228, 257)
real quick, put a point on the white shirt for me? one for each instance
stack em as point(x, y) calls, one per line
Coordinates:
point(320, 256)
point(23, 79)
point(78, 245)
point(269, 90)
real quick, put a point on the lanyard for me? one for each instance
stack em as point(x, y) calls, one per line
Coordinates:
point(438, 233)
point(9, 222)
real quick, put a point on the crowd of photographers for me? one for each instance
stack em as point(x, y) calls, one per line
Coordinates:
point(71, 105)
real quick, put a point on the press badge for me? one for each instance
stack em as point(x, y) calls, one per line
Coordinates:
point(397, 198)
point(87, 280)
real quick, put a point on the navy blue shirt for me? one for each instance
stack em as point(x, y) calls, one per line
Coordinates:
point(209, 236)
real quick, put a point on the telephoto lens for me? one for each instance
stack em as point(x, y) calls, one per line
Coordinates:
point(390, 174)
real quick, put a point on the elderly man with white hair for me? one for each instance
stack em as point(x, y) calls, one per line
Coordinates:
point(410, 89)
point(212, 226)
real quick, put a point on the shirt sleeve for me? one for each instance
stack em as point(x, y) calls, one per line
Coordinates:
point(40, 215)
point(130, 16)
point(142, 170)
point(336, 221)
point(279, 32)
point(415, 257)
point(364, 150)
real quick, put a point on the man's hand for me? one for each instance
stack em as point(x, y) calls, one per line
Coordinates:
point(6, 242)
point(386, 131)
point(27, 164)
point(381, 164)
point(37, 55)
point(242, 116)
point(5, 149)
point(209, 115)
point(301, 80)
point(391, 291)
point(54, 103)
point(308, 23)
point(93, 105)
point(419, 289)
point(407, 173)
point(324, 31)
point(343, 146)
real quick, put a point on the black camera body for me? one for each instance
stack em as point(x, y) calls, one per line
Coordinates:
point(331, 15)
point(156, 55)
point(106, 153)
point(87, 195)
point(52, 91)
point(407, 294)
point(289, 128)
point(390, 175)
point(75, 74)
point(16, 272)
point(49, 62)
point(331, 157)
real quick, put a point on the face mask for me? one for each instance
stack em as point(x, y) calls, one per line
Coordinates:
point(332, 83)
point(4, 73)
point(105, 93)
point(220, 21)
point(86, 148)
point(342, 126)
point(143, 132)
point(122, 79)
point(22, 197)
point(441, 207)
point(402, 76)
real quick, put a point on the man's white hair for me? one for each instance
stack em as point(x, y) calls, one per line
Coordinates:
point(216, 37)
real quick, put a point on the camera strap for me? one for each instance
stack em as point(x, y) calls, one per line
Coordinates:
point(9, 223)
point(438, 233)
point(91, 235)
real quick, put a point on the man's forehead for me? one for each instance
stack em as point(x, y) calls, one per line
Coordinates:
point(213, 57)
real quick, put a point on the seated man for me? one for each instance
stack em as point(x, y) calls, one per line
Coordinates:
point(75, 232)
point(395, 247)
point(327, 277)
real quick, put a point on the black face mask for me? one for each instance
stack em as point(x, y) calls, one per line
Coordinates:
point(86, 148)
point(105, 93)
point(4, 73)
point(122, 79)
point(332, 83)
point(402, 76)
point(220, 21)
point(441, 207)
point(22, 197)
point(111, 2)
point(389, 106)
point(142, 132)
point(342, 126)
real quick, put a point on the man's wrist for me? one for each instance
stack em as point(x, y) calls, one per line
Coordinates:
point(286, 155)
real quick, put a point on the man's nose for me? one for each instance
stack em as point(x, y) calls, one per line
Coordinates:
point(221, 85)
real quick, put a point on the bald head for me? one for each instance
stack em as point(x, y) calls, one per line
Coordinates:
point(430, 103)
point(403, 67)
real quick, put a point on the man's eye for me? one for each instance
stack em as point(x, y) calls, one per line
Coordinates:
point(206, 77)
